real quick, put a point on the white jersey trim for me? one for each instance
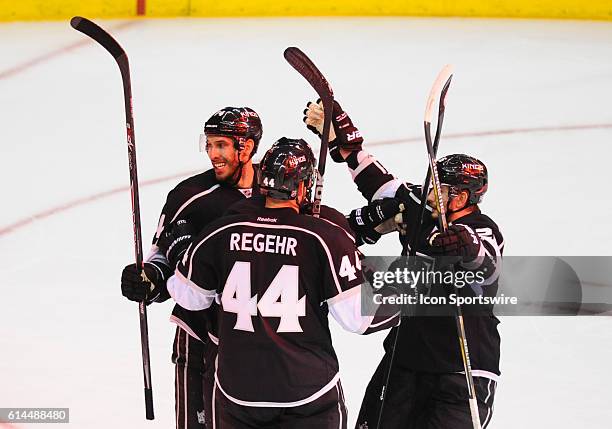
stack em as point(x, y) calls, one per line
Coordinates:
point(189, 295)
point(369, 159)
point(339, 409)
point(347, 311)
point(178, 322)
point(160, 226)
point(344, 295)
point(192, 199)
point(343, 230)
point(387, 189)
point(376, 325)
point(264, 404)
point(484, 374)
point(213, 339)
point(264, 226)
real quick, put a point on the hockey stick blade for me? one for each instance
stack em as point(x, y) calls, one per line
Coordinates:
point(440, 87)
point(304, 66)
point(94, 31)
point(438, 91)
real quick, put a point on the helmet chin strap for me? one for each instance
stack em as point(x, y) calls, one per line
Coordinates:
point(237, 174)
point(449, 211)
point(452, 195)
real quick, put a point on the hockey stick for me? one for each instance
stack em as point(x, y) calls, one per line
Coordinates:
point(304, 66)
point(92, 30)
point(443, 226)
point(445, 75)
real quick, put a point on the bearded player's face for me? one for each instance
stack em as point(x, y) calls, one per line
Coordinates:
point(223, 156)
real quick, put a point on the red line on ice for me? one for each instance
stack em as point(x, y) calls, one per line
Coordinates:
point(84, 200)
point(498, 133)
point(19, 68)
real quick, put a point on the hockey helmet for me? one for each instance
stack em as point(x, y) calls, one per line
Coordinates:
point(284, 166)
point(238, 123)
point(463, 172)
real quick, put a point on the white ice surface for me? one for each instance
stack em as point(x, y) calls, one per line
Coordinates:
point(68, 338)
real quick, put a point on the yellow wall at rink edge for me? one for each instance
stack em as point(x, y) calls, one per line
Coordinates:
point(30, 10)
point(583, 9)
point(17, 10)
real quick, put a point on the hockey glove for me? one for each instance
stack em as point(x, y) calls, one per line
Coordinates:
point(349, 138)
point(365, 220)
point(457, 240)
point(366, 236)
point(175, 239)
point(343, 135)
point(148, 285)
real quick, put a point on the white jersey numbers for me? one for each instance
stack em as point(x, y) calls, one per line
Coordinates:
point(289, 309)
point(347, 269)
point(279, 300)
point(236, 297)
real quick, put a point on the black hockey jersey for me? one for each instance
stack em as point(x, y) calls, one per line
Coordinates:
point(257, 202)
point(430, 343)
point(200, 199)
point(276, 274)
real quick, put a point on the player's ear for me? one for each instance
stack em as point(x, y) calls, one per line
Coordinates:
point(461, 200)
point(245, 154)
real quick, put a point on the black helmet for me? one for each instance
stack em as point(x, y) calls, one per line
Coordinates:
point(463, 172)
point(287, 163)
point(239, 123)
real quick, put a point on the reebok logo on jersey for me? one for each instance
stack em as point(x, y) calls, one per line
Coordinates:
point(267, 219)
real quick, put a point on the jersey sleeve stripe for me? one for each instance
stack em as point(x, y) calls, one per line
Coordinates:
point(178, 322)
point(362, 166)
point(342, 229)
point(192, 199)
point(387, 190)
point(195, 286)
point(187, 296)
point(344, 295)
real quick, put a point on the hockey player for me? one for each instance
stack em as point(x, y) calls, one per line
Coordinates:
point(231, 137)
point(427, 388)
point(277, 274)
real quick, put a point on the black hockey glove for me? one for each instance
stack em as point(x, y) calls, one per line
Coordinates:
point(175, 239)
point(366, 236)
point(344, 134)
point(457, 240)
point(364, 220)
point(375, 213)
point(148, 285)
point(347, 135)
